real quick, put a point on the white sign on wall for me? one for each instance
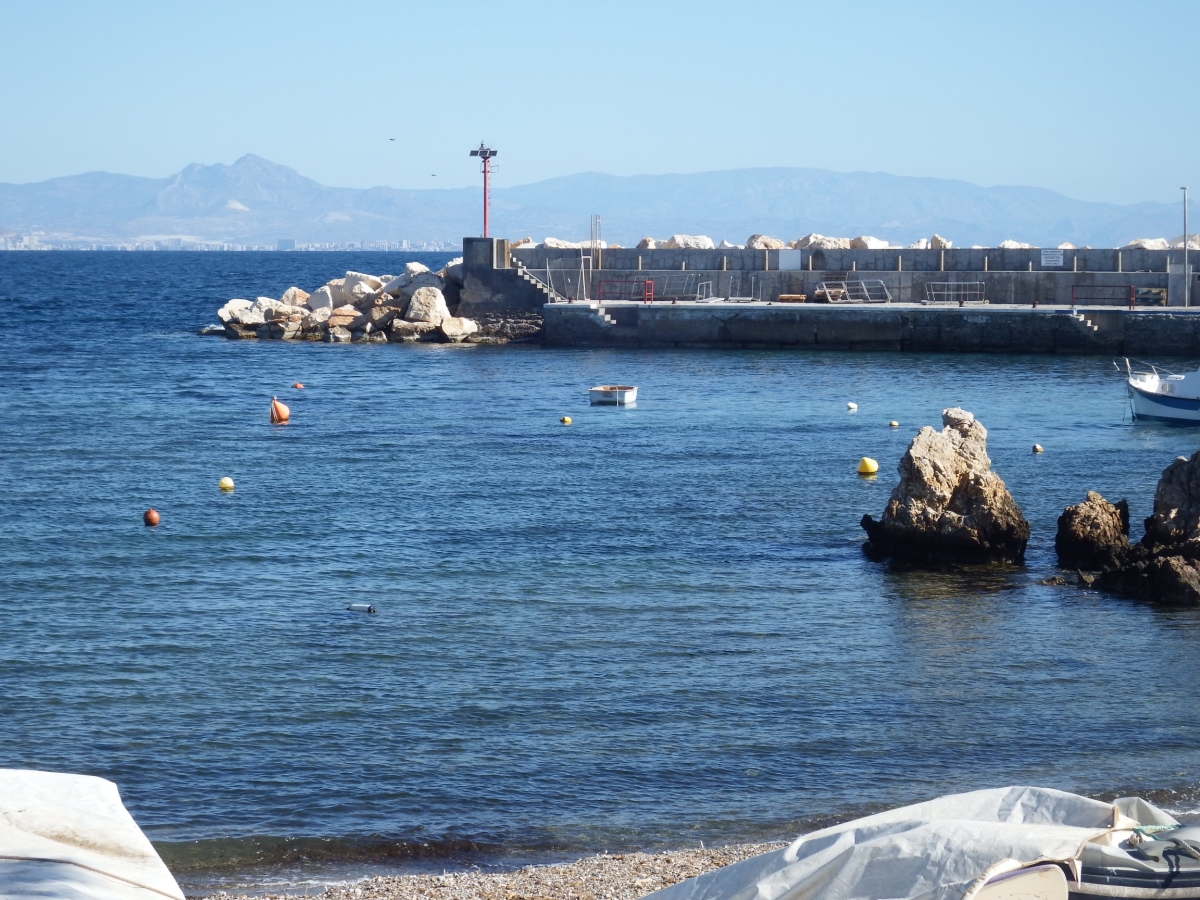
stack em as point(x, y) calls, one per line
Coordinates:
point(790, 260)
point(1052, 258)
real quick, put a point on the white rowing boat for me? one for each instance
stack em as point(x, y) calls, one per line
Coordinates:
point(614, 394)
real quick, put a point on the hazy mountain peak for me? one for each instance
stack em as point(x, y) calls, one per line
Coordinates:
point(254, 200)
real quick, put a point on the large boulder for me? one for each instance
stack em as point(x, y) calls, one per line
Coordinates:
point(427, 305)
point(866, 242)
point(937, 242)
point(762, 242)
point(949, 505)
point(689, 242)
point(337, 335)
point(343, 317)
point(456, 329)
point(1093, 535)
point(1148, 244)
point(353, 278)
point(919, 244)
point(1172, 579)
point(647, 243)
point(452, 272)
point(285, 329)
point(359, 289)
point(408, 332)
point(226, 312)
point(422, 280)
point(1164, 567)
point(1176, 516)
point(284, 311)
point(335, 289)
point(294, 296)
point(1015, 245)
point(322, 298)
point(816, 241)
point(237, 332)
point(248, 316)
point(380, 317)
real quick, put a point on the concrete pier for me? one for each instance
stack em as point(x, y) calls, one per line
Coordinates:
point(1029, 296)
point(988, 329)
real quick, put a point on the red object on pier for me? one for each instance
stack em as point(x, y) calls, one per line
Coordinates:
point(485, 154)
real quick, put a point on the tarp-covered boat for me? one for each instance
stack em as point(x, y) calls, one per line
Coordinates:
point(70, 837)
point(1015, 843)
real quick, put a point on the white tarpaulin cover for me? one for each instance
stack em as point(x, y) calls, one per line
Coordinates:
point(943, 849)
point(69, 836)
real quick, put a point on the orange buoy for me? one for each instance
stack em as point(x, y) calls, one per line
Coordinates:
point(150, 517)
point(279, 412)
point(298, 386)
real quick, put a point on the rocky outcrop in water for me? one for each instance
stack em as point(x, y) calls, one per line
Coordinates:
point(418, 305)
point(1164, 566)
point(949, 506)
point(1093, 534)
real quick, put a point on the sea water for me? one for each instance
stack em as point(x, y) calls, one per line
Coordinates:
point(647, 629)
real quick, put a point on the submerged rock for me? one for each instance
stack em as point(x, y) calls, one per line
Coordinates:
point(949, 506)
point(1093, 534)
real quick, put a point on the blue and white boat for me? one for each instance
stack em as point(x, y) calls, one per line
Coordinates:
point(1164, 396)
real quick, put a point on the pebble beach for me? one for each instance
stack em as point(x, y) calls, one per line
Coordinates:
point(625, 876)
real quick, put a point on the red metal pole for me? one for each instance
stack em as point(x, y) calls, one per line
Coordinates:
point(486, 166)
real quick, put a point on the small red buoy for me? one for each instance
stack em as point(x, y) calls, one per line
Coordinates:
point(279, 412)
point(150, 517)
point(298, 386)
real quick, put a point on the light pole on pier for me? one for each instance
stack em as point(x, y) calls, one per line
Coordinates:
point(485, 154)
point(1187, 279)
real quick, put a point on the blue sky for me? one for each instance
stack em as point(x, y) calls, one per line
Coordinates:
point(1096, 100)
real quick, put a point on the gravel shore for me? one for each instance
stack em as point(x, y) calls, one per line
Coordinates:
point(624, 876)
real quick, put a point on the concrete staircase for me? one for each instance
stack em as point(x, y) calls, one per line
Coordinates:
point(1087, 323)
point(553, 296)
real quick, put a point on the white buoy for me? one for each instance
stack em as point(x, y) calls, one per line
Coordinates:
point(362, 607)
point(852, 406)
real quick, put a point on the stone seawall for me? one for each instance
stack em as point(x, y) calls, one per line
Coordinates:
point(993, 329)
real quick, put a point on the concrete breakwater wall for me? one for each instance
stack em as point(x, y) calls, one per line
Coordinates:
point(495, 274)
point(890, 327)
point(891, 260)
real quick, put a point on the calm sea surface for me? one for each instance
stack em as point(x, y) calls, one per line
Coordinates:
point(651, 628)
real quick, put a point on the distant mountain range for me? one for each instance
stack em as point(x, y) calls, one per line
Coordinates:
point(257, 201)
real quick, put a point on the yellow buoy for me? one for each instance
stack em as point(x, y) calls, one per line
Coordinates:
point(566, 420)
point(894, 423)
point(225, 484)
point(867, 466)
point(1037, 448)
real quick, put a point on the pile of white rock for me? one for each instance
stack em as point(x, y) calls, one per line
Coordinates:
point(358, 308)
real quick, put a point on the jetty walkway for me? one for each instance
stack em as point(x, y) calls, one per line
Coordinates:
point(1130, 302)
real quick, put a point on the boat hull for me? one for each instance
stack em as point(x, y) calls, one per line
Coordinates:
point(1133, 884)
point(613, 395)
point(1164, 407)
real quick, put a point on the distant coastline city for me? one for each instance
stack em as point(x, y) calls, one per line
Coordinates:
point(38, 242)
